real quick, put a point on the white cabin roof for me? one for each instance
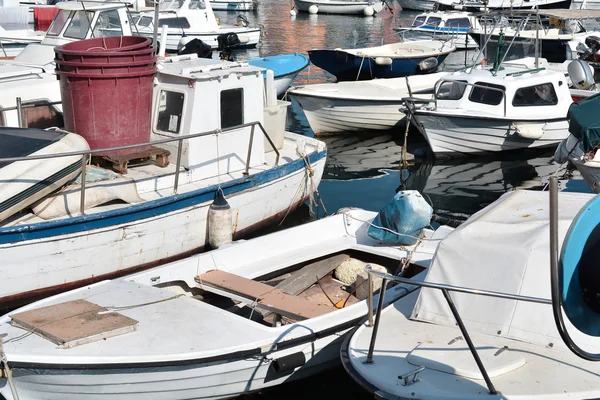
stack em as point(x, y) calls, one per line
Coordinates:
point(203, 68)
point(507, 76)
point(88, 6)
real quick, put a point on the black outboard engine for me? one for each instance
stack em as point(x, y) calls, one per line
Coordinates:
point(196, 46)
point(226, 43)
point(593, 45)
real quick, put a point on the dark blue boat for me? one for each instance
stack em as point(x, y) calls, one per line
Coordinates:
point(387, 61)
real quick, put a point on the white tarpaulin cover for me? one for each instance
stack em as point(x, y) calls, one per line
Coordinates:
point(503, 248)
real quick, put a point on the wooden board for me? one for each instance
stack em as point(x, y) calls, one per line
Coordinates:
point(74, 323)
point(306, 276)
point(334, 292)
point(264, 296)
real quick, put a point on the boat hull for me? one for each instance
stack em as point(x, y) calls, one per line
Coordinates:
point(339, 7)
point(459, 135)
point(45, 258)
point(224, 5)
point(285, 68)
point(328, 115)
point(570, 150)
point(204, 380)
point(210, 38)
point(346, 66)
point(418, 5)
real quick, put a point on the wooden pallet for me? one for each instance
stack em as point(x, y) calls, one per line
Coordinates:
point(120, 162)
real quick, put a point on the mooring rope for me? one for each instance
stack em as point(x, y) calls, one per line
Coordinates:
point(7, 370)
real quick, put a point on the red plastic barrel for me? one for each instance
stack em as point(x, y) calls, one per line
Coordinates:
point(106, 88)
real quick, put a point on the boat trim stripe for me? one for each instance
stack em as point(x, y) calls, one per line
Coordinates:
point(148, 209)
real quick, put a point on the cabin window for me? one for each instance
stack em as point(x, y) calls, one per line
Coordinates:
point(450, 90)
point(171, 5)
point(59, 23)
point(232, 108)
point(459, 23)
point(42, 115)
point(197, 5)
point(79, 25)
point(180, 22)
point(133, 19)
point(2, 123)
point(487, 93)
point(434, 21)
point(538, 95)
point(145, 21)
point(419, 21)
point(170, 110)
point(108, 24)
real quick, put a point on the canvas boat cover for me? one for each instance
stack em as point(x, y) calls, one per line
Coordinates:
point(503, 248)
point(584, 122)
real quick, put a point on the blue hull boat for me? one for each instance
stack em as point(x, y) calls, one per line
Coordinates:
point(388, 61)
point(285, 67)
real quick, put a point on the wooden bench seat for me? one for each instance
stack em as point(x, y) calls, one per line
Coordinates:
point(265, 296)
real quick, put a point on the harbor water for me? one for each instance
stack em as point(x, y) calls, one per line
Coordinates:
point(363, 170)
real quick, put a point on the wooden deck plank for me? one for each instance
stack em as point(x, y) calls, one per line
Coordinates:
point(73, 323)
point(266, 297)
point(308, 275)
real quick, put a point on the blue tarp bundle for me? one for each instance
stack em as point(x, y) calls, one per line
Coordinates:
point(406, 214)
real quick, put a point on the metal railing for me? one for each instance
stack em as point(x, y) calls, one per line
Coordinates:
point(446, 289)
point(85, 154)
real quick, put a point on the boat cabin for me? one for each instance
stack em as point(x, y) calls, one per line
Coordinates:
point(510, 92)
point(78, 20)
point(442, 21)
point(196, 95)
point(180, 15)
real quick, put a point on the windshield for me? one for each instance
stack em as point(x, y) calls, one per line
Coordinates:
point(59, 23)
point(171, 5)
point(79, 25)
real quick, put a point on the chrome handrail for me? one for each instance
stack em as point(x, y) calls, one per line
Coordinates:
point(446, 289)
point(85, 154)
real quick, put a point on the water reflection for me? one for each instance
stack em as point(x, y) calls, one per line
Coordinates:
point(458, 188)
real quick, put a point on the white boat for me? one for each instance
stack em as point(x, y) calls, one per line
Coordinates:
point(358, 106)
point(51, 248)
point(581, 145)
point(480, 110)
point(477, 6)
point(24, 183)
point(443, 25)
point(347, 7)
point(233, 5)
point(190, 340)
point(194, 19)
point(503, 250)
point(563, 39)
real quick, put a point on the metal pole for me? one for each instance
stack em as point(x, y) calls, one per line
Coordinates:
point(176, 184)
point(249, 150)
point(19, 112)
point(155, 33)
point(377, 318)
point(83, 176)
point(537, 39)
point(554, 223)
point(370, 300)
point(465, 334)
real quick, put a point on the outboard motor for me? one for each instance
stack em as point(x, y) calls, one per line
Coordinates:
point(226, 43)
point(581, 74)
point(196, 46)
point(593, 45)
point(242, 21)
